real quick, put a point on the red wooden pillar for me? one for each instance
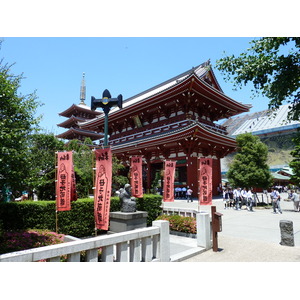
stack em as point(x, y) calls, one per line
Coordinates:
point(148, 176)
point(216, 174)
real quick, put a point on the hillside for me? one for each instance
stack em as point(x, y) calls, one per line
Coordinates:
point(279, 149)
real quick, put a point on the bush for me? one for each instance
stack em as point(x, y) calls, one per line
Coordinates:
point(151, 204)
point(23, 240)
point(180, 223)
point(79, 221)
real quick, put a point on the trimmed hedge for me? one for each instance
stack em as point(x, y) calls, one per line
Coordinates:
point(79, 221)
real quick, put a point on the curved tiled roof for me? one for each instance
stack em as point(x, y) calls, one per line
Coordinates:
point(74, 108)
point(71, 121)
point(196, 74)
point(262, 122)
point(73, 133)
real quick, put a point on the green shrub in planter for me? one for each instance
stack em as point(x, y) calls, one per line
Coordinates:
point(180, 223)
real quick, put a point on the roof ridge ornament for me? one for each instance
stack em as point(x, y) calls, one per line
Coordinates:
point(82, 90)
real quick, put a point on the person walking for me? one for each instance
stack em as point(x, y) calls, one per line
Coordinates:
point(295, 198)
point(250, 200)
point(237, 198)
point(275, 197)
point(244, 197)
point(189, 193)
point(179, 192)
point(183, 191)
point(231, 200)
point(226, 198)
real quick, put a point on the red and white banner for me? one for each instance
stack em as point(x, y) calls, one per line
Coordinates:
point(64, 184)
point(73, 189)
point(169, 174)
point(103, 183)
point(205, 181)
point(136, 176)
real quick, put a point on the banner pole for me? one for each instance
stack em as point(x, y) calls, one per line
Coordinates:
point(56, 221)
point(94, 185)
point(199, 182)
point(56, 182)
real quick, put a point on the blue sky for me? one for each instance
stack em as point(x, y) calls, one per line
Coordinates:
point(54, 66)
point(128, 46)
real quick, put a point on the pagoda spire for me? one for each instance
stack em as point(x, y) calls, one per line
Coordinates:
point(82, 90)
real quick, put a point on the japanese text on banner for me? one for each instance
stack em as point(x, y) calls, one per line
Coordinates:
point(103, 182)
point(169, 175)
point(64, 184)
point(205, 181)
point(136, 176)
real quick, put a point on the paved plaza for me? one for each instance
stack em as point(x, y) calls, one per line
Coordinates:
point(247, 236)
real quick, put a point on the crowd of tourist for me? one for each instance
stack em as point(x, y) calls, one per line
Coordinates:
point(237, 197)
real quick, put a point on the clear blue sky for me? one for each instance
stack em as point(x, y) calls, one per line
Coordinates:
point(54, 66)
point(131, 46)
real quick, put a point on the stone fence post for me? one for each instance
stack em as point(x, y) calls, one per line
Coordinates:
point(203, 230)
point(164, 242)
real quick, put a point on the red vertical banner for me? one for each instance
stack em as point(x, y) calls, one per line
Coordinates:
point(73, 188)
point(169, 174)
point(136, 176)
point(103, 183)
point(64, 181)
point(205, 181)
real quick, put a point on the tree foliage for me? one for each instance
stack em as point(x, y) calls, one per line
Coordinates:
point(83, 165)
point(249, 167)
point(295, 163)
point(273, 70)
point(40, 173)
point(17, 121)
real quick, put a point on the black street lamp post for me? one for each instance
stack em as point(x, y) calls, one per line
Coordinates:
point(106, 103)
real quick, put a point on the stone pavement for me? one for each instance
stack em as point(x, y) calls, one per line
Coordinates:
point(246, 236)
point(182, 248)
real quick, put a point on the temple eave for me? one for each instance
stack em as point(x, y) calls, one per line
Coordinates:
point(74, 133)
point(195, 138)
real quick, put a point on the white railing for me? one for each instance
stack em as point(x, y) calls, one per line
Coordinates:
point(180, 211)
point(145, 244)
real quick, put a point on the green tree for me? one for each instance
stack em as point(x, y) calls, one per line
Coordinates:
point(118, 180)
point(295, 163)
point(17, 121)
point(41, 164)
point(274, 71)
point(83, 165)
point(249, 166)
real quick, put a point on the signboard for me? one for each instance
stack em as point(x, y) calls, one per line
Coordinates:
point(73, 189)
point(103, 182)
point(136, 176)
point(205, 181)
point(169, 174)
point(64, 183)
